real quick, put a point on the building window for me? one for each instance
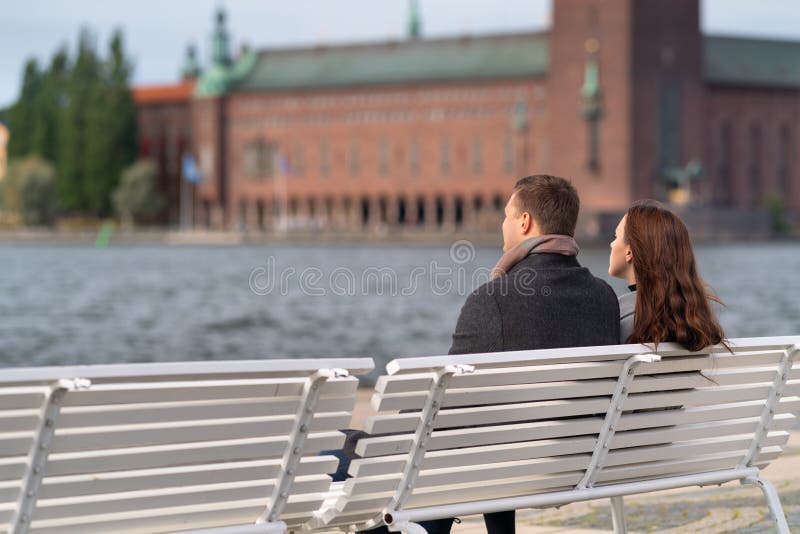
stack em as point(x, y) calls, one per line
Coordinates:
point(508, 154)
point(298, 161)
point(724, 164)
point(354, 159)
point(754, 169)
point(784, 155)
point(259, 159)
point(477, 155)
point(324, 158)
point(444, 149)
point(383, 157)
point(413, 158)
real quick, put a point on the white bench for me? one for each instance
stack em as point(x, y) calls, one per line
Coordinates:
point(230, 446)
point(551, 427)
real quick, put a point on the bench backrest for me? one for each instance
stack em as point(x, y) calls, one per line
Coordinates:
point(170, 446)
point(522, 423)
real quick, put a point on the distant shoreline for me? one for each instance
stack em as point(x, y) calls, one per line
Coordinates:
point(220, 238)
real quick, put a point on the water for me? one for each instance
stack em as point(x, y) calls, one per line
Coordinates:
point(70, 304)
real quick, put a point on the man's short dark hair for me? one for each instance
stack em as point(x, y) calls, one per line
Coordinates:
point(551, 201)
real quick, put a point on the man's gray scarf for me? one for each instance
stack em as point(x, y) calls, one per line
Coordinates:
point(551, 243)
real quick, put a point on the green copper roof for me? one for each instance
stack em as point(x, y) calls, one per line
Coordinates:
point(218, 79)
point(469, 58)
point(752, 62)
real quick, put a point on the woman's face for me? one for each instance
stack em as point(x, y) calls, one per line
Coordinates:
point(620, 262)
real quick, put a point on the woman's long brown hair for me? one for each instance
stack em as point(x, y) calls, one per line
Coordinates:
point(672, 301)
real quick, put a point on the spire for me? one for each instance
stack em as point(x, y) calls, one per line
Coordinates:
point(220, 41)
point(191, 69)
point(414, 20)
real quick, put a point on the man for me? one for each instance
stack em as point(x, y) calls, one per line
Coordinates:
point(539, 296)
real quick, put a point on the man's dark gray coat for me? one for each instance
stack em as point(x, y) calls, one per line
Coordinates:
point(544, 301)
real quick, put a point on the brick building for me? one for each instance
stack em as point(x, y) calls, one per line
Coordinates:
point(625, 97)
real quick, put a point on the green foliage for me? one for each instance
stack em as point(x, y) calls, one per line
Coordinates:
point(29, 190)
point(777, 214)
point(136, 198)
point(81, 115)
point(21, 115)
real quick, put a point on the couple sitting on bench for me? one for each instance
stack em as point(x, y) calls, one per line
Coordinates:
point(540, 296)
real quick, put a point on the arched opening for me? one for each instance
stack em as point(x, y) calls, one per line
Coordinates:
point(207, 213)
point(242, 218)
point(420, 211)
point(312, 207)
point(383, 210)
point(347, 208)
point(498, 204)
point(439, 211)
point(364, 211)
point(477, 204)
point(401, 211)
point(260, 214)
point(458, 208)
point(328, 207)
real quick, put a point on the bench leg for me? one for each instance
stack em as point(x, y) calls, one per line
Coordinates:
point(618, 515)
point(407, 527)
point(773, 501)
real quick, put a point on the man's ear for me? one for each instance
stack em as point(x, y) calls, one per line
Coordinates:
point(526, 222)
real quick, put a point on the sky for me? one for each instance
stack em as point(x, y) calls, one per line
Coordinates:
point(158, 31)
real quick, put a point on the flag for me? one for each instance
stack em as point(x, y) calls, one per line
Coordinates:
point(190, 172)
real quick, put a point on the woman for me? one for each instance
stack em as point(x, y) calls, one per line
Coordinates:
point(668, 300)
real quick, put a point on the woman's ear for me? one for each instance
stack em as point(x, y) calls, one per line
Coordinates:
point(628, 255)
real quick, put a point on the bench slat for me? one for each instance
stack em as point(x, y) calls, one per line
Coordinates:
point(121, 481)
point(480, 474)
point(182, 454)
point(468, 437)
point(578, 354)
point(638, 438)
point(547, 391)
point(109, 394)
point(98, 438)
point(178, 411)
point(177, 496)
point(702, 414)
point(574, 371)
point(174, 518)
point(482, 415)
point(383, 465)
point(713, 462)
point(690, 449)
point(18, 420)
point(15, 443)
point(698, 396)
point(13, 467)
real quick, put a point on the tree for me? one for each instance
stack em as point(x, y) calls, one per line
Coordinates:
point(22, 113)
point(49, 101)
point(110, 129)
point(29, 190)
point(80, 115)
point(80, 83)
point(136, 198)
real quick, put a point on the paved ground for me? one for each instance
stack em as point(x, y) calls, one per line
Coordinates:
point(730, 508)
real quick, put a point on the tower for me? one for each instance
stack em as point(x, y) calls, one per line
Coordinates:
point(220, 41)
point(414, 20)
point(625, 96)
point(191, 68)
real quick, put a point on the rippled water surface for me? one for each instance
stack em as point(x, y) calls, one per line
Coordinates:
point(68, 304)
